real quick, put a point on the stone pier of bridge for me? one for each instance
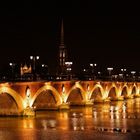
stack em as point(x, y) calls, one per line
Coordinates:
point(62, 94)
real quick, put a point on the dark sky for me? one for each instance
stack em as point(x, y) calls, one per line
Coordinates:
point(105, 33)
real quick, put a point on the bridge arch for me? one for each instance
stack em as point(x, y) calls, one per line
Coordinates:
point(124, 92)
point(97, 92)
point(54, 92)
point(134, 90)
point(76, 95)
point(112, 92)
point(17, 98)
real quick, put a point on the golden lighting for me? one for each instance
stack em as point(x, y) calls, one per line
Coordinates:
point(28, 92)
point(105, 95)
point(78, 123)
point(28, 123)
point(77, 83)
point(63, 89)
point(88, 93)
point(64, 97)
point(4, 89)
point(64, 115)
point(27, 100)
point(47, 83)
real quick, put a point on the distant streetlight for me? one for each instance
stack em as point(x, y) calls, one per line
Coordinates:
point(123, 73)
point(12, 65)
point(43, 65)
point(93, 69)
point(133, 74)
point(92, 65)
point(99, 74)
point(109, 71)
point(34, 58)
point(84, 70)
point(44, 68)
point(121, 76)
point(123, 70)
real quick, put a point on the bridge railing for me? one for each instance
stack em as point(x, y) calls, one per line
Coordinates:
point(72, 77)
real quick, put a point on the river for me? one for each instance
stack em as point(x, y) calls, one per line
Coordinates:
point(109, 121)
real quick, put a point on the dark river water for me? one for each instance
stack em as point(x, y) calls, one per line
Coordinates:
point(115, 120)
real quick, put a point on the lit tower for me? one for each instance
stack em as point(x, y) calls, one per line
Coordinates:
point(62, 51)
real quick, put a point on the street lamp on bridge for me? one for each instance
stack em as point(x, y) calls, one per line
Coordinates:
point(109, 71)
point(123, 73)
point(93, 69)
point(133, 75)
point(34, 58)
point(12, 65)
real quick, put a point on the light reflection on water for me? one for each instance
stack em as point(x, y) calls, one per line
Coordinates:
point(121, 116)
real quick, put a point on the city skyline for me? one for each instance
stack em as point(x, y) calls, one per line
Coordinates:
point(110, 40)
point(69, 70)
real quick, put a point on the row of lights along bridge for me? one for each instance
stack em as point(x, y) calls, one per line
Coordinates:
point(111, 74)
point(41, 72)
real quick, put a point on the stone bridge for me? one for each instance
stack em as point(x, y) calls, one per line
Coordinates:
point(16, 96)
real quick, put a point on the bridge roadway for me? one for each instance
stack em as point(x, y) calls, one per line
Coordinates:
point(53, 95)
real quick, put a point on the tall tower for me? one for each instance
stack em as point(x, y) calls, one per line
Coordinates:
point(62, 51)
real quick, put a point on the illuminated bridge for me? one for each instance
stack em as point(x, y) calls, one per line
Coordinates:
point(16, 96)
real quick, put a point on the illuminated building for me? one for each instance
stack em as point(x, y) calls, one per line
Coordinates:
point(62, 51)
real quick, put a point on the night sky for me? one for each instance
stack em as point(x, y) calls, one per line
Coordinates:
point(105, 33)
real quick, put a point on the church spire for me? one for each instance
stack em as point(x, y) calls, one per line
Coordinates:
point(62, 49)
point(62, 35)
